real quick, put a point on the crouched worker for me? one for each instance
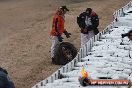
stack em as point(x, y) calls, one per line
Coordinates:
point(5, 81)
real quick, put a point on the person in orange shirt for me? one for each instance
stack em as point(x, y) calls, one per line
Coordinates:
point(58, 29)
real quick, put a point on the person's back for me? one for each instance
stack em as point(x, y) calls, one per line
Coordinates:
point(5, 81)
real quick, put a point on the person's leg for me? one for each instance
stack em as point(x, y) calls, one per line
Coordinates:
point(84, 39)
point(90, 35)
point(54, 44)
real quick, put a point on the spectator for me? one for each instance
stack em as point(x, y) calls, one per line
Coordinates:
point(88, 21)
point(5, 81)
point(58, 29)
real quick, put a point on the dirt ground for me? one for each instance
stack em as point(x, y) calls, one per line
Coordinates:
point(24, 34)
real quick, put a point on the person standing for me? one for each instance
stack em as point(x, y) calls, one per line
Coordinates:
point(88, 21)
point(58, 29)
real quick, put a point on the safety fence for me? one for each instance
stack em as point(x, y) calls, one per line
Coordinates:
point(120, 12)
point(84, 51)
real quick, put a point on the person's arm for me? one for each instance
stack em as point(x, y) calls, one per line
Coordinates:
point(56, 29)
point(80, 21)
point(95, 22)
point(65, 32)
point(56, 26)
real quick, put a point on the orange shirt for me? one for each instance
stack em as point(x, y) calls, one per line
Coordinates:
point(60, 25)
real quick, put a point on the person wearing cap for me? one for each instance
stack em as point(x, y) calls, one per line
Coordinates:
point(88, 22)
point(58, 29)
point(129, 35)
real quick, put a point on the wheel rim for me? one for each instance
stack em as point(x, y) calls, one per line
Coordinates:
point(67, 53)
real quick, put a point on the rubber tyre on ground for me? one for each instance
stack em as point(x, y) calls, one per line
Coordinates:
point(64, 53)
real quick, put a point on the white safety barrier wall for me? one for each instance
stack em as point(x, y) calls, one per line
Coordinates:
point(120, 12)
point(84, 51)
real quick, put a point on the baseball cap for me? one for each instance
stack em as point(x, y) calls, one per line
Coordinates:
point(64, 8)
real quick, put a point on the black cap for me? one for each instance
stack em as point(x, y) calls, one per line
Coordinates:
point(64, 8)
point(89, 9)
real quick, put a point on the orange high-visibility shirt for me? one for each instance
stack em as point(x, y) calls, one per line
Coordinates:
point(60, 25)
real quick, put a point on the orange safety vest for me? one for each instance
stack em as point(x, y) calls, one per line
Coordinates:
point(60, 25)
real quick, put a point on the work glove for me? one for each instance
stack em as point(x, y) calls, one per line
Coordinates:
point(60, 39)
point(67, 34)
